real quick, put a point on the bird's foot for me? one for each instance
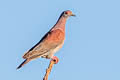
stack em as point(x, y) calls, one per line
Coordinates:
point(55, 59)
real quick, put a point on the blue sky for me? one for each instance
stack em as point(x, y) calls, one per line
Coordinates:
point(92, 46)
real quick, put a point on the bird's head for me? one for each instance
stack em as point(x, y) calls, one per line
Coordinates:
point(67, 14)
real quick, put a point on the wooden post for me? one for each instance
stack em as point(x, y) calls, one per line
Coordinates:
point(52, 62)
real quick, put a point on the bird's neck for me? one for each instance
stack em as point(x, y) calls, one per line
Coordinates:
point(60, 23)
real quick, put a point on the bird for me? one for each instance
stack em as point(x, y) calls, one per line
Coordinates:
point(50, 43)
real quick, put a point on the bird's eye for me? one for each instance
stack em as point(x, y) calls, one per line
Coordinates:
point(66, 12)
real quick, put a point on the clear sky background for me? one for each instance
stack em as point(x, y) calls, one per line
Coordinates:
point(92, 46)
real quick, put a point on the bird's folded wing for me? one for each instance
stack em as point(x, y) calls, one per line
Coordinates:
point(50, 41)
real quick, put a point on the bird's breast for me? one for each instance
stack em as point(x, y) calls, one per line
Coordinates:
point(58, 47)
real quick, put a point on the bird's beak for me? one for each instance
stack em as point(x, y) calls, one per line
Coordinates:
point(73, 15)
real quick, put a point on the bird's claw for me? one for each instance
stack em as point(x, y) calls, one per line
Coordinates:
point(55, 59)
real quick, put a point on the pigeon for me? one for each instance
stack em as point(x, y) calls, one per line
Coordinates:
point(50, 43)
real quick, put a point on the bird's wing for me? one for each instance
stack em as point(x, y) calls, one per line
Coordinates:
point(50, 41)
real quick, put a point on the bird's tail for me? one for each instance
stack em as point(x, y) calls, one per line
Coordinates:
point(23, 63)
